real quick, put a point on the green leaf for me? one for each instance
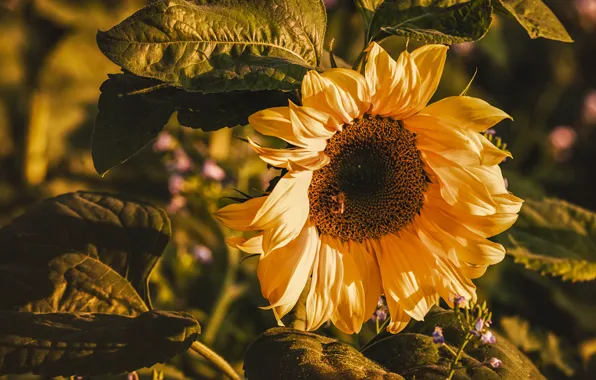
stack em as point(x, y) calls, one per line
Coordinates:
point(554, 237)
point(413, 354)
point(133, 110)
point(126, 235)
point(72, 282)
point(537, 19)
point(367, 9)
point(293, 354)
point(436, 21)
point(218, 46)
point(68, 344)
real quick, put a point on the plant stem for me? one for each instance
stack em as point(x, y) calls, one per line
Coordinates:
point(297, 317)
point(213, 358)
point(458, 355)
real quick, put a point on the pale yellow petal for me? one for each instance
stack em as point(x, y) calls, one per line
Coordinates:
point(342, 93)
point(394, 86)
point(327, 279)
point(371, 276)
point(285, 210)
point(299, 126)
point(253, 245)
point(238, 216)
point(406, 272)
point(283, 273)
point(289, 159)
point(453, 282)
point(430, 60)
point(471, 113)
point(399, 318)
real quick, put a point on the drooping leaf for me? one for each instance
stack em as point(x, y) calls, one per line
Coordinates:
point(294, 354)
point(218, 46)
point(72, 282)
point(537, 19)
point(413, 354)
point(126, 235)
point(133, 110)
point(436, 21)
point(67, 344)
point(554, 237)
point(545, 348)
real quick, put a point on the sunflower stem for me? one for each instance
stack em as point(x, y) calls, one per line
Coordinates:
point(216, 360)
point(296, 318)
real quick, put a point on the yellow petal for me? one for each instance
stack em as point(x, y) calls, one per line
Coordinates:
point(327, 279)
point(285, 210)
point(238, 216)
point(453, 282)
point(283, 273)
point(371, 276)
point(290, 159)
point(460, 187)
point(406, 271)
point(252, 245)
point(471, 113)
point(394, 86)
point(399, 319)
point(430, 60)
point(350, 311)
point(308, 130)
point(342, 93)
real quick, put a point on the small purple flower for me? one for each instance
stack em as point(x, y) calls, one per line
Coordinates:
point(459, 301)
point(213, 171)
point(494, 362)
point(589, 109)
point(490, 131)
point(175, 184)
point(488, 338)
point(381, 312)
point(437, 335)
point(164, 143)
point(202, 253)
point(478, 327)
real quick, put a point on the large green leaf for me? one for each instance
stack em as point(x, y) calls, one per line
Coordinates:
point(126, 235)
point(72, 282)
point(133, 110)
point(413, 354)
point(554, 237)
point(537, 19)
point(220, 45)
point(294, 355)
point(66, 344)
point(436, 21)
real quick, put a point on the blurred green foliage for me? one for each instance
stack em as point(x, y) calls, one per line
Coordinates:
point(50, 74)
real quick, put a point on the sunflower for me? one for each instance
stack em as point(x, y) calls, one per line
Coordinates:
point(382, 194)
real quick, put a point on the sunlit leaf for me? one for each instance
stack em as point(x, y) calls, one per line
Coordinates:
point(82, 344)
point(127, 236)
point(133, 110)
point(217, 46)
point(555, 238)
point(537, 19)
point(293, 354)
point(436, 21)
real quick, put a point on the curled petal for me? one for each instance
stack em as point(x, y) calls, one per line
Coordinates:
point(291, 159)
point(471, 113)
point(238, 216)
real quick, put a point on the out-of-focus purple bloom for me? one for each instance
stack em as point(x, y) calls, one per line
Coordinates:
point(506, 182)
point(562, 137)
point(463, 49)
point(587, 12)
point(213, 171)
point(133, 376)
point(589, 110)
point(490, 131)
point(488, 338)
point(330, 3)
point(164, 142)
point(177, 203)
point(182, 163)
point(494, 362)
point(175, 184)
point(202, 253)
point(437, 335)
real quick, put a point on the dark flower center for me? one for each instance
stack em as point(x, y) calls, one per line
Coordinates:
point(374, 183)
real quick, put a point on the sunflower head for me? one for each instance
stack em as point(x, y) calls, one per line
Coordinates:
point(383, 195)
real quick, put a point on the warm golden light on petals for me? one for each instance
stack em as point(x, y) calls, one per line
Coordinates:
point(382, 194)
